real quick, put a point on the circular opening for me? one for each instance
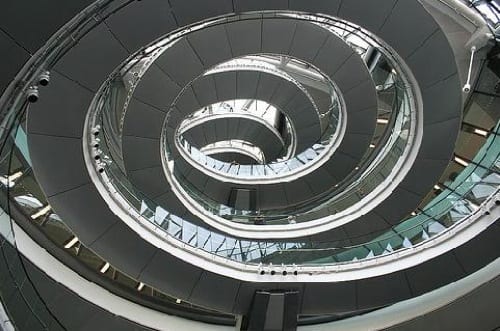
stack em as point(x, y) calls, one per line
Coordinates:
point(285, 273)
point(273, 272)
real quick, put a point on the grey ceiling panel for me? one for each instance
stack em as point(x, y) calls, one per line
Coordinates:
point(209, 130)
point(141, 22)
point(351, 74)
point(272, 196)
point(205, 90)
point(13, 54)
point(69, 111)
point(340, 163)
point(225, 83)
point(328, 7)
point(180, 62)
point(341, 53)
point(369, 14)
point(364, 122)
point(355, 145)
point(246, 84)
point(156, 89)
point(84, 212)
point(171, 203)
point(42, 20)
point(324, 298)
point(277, 36)
point(445, 133)
point(190, 11)
point(415, 182)
point(321, 180)
point(430, 71)
point(399, 29)
point(149, 181)
point(369, 224)
point(88, 67)
point(284, 93)
point(369, 100)
point(308, 136)
point(444, 101)
point(308, 40)
point(298, 191)
point(217, 191)
point(140, 153)
point(211, 45)
point(398, 205)
point(251, 5)
point(218, 290)
point(221, 129)
point(244, 37)
point(143, 120)
point(55, 176)
point(131, 257)
point(171, 274)
point(381, 291)
point(187, 102)
point(435, 273)
point(196, 138)
point(234, 129)
point(479, 251)
point(299, 103)
point(267, 86)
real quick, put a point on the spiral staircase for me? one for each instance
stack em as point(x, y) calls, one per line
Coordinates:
point(250, 165)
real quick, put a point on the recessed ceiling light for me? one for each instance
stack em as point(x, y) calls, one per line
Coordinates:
point(481, 132)
point(71, 243)
point(105, 268)
point(41, 212)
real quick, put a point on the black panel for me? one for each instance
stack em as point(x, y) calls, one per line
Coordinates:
point(88, 67)
point(141, 22)
point(211, 45)
point(435, 273)
point(172, 275)
point(143, 120)
point(190, 11)
point(55, 175)
point(218, 290)
point(277, 36)
point(131, 257)
point(12, 54)
point(326, 298)
point(381, 291)
point(400, 30)
point(141, 153)
point(42, 20)
point(70, 111)
point(85, 213)
point(369, 14)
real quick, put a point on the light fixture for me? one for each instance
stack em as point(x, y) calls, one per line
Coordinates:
point(178, 301)
point(71, 243)
point(105, 268)
point(437, 187)
point(382, 121)
point(461, 161)
point(481, 132)
point(140, 286)
point(41, 212)
point(372, 145)
point(10, 180)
